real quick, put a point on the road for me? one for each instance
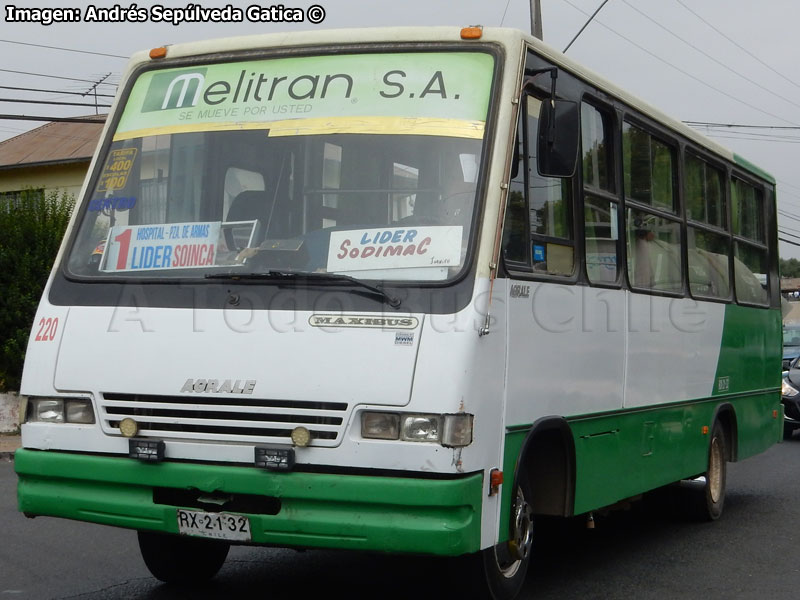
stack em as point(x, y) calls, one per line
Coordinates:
point(645, 553)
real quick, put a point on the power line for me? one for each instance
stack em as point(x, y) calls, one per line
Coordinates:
point(735, 125)
point(24, 89)
point(735, 43)
point(21, 101)
point(53, 76)
point(690, 76)
point(504, 13)
point(775, 140)
point(64, 49)
point(6, 117)
point(787, 228)
point(585, 25)
point(707, 55)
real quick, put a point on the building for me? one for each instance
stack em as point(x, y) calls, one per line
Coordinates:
point(54, 156)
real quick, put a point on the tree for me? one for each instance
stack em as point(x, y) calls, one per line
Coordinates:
point(790, 267)
point(32, 225)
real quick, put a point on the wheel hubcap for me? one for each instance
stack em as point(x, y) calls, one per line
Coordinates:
point(509, 556)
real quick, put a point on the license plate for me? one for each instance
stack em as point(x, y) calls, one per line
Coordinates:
point(220, 526)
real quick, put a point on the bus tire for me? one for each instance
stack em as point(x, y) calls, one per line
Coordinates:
point(505, 565)
point(181, 559)
point(707, 502)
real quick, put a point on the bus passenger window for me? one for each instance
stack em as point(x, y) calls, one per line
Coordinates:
point(649, 169)
point(750, 261)
point(654, 252)
point(600, 204)
point(601, 234)
point(653, 233)
point(708, 244)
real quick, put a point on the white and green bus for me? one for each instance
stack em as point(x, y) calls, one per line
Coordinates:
point(398, 290)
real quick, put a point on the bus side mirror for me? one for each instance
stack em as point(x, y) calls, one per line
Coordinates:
point(559, 131)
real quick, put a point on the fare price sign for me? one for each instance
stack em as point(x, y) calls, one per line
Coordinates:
point(159, 247)
point(117, 169)
point(394, 248)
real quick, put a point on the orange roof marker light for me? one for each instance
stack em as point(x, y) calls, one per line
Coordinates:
point(473, 32)
point(158, 52)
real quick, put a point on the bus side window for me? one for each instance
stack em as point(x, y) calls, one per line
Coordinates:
point(515, 231)
point(707, 240)
point(538, 228)
point(750, 254)
point(653, 231)
point(600, 201)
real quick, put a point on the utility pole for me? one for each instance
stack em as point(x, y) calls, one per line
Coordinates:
point(536, 19)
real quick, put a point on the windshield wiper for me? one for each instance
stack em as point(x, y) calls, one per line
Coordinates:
point(309, 276)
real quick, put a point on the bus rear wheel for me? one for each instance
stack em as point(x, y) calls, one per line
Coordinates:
point(707, 502)
point(181, 559)
point(506, 564)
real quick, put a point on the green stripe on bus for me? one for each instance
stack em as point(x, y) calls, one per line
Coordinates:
point(622, 454)
point(743, 162)
point(750, 352)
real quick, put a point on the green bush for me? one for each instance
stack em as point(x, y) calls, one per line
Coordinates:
point(32, 225)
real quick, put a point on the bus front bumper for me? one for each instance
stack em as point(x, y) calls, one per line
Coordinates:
point(358, 512)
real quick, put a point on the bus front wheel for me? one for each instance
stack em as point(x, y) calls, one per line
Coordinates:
point(506, 564)
point(181, 559)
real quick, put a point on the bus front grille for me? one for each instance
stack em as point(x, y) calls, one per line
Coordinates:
point(249, 420)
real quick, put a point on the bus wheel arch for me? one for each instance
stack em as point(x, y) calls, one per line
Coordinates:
point(543, 483)
point(725, 414)
point(547, 457)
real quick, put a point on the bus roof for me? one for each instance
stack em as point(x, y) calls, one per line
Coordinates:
point(512, 39)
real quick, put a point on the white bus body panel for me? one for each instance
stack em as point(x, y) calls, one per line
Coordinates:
point(568, 346)
point(673, 349)
point(566, 351)
point(155, 350)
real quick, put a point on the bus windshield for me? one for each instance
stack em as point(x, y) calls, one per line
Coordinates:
point(364, 165)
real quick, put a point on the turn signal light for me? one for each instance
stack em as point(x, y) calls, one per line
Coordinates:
point(495, 481)
point(158, 52)
point(474, 32)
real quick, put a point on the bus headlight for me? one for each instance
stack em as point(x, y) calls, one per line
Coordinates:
point(46, 410)
point(60, 410)
point(380, 426)
point(420, 428)
point(449, 430)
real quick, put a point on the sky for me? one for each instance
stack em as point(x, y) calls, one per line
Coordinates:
point(710, 61)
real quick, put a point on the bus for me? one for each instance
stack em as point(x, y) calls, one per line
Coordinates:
point(402, 290)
